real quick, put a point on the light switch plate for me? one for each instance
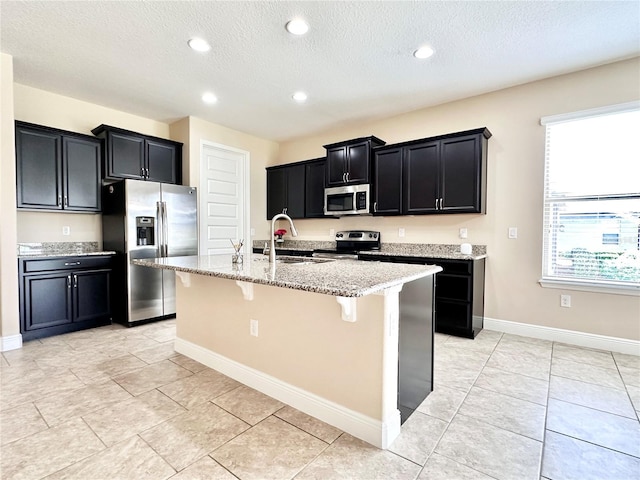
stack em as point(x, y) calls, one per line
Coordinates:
point(66, 230)
point(513, 232)
point(253, 232)
point(463, 233)
point(401, 232)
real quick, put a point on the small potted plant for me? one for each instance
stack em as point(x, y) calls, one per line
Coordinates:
point(278, 234)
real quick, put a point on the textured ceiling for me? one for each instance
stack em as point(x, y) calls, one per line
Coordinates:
point(355, 63)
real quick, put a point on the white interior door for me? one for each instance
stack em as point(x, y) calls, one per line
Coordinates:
point(224, 198)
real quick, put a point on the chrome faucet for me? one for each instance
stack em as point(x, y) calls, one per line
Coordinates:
point(272, 246)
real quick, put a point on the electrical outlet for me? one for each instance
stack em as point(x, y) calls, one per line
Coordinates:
point(565, 301)
point(401, 232)
point(463, 233)
point(332, 233)
point(513, 232)
point(253, 327)
point(66, 230)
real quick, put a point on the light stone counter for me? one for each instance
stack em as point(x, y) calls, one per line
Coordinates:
point(60, 249)
point(342, 278)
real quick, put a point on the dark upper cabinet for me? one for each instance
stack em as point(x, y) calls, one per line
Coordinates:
point(286, 190)
point(56, 169)
point(315, 172)
point(81, 173)
point(421, 178)
point(349, 162)
point(142, 157)
point(387, 181)
point(446, 174)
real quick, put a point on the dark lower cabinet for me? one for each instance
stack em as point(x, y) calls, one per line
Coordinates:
point(459, 293)
point(56, 169)
point(63, 294)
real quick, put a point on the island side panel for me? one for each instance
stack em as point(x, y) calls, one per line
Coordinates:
point(302, 339)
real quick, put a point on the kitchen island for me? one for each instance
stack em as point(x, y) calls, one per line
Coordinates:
point(321, 336)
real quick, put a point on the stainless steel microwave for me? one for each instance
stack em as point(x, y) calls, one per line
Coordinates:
point(347, 200)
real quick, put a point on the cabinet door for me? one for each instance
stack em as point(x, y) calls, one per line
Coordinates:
point(276, 191)
point(47, 300)
point(38, 169)
point(314, 194)
point(387, 182)
point(421, 178)
point(358, 158)
point(336, 166)
point(460, 159)
point(91, 295)
point(295, 191)
point(81, 166)
point(161, 162)
point(125, 156)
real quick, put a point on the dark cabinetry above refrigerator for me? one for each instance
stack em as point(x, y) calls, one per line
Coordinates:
point(132, 155)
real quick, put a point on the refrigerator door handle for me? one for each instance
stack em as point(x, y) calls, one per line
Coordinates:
point(159, 229)
point(165, 230)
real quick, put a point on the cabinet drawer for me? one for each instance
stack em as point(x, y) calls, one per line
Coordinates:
point(454, 266)
point(66, 263)
point(456, 287)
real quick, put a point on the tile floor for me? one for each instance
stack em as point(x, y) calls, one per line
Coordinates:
point(115, 403)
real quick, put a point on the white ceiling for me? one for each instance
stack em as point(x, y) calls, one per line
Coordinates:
point(355, 62)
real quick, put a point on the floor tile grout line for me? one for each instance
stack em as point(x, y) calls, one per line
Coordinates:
point(546, 414)
point(594, 444)
point(594, 408)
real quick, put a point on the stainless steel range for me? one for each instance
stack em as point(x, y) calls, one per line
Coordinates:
point(350, 242)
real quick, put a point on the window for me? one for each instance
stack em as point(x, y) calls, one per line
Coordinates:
point(592, 199)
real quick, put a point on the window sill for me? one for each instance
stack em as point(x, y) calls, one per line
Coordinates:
point(595, 287)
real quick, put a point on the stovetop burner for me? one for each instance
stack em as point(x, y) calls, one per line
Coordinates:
point(350, 242)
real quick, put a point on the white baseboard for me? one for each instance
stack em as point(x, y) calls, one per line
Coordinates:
point(10, 342)
point(370, 430)
point(582, 339)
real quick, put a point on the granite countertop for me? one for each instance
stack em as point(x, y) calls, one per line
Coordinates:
point(60, 249)
point(418, 250)
point(343, 278)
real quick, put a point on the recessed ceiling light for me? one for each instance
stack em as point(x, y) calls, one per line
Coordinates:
point(299, 97)
point(199, 44)
point(209, 98)
point(423, 52)
point(297, 26)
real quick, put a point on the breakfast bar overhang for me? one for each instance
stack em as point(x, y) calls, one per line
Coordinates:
point(323, 337)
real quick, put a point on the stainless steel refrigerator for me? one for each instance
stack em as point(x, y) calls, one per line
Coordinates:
point(142, 219)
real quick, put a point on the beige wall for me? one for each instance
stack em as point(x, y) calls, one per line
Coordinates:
point(9, 323)
point(316, 350)
point(515, 188)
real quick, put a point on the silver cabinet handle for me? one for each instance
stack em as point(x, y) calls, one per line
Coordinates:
point(348, 175)
point(75, 281)
point(375, 206)
point(71, 263)
point(142, 172)
point(59, 200)
point(437, 203)
point(147, 170)
point(68, 281)
point(440, 203)
point(66, 201)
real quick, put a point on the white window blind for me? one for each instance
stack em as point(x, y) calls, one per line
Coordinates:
point(592, 197)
